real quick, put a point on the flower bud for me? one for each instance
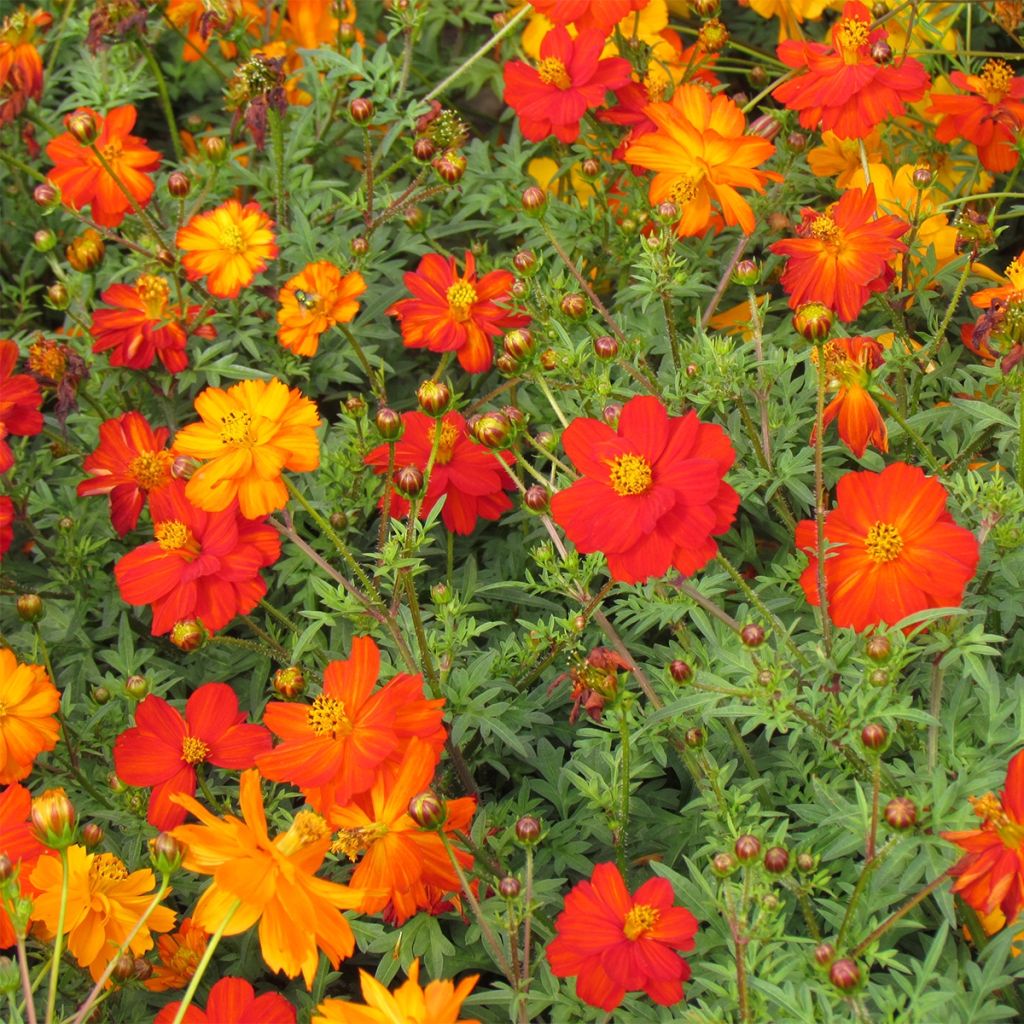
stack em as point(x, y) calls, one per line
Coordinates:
point(844, 974)
point(509, 887)
point(100, 694)
point(188, 635)
point(360, 109)
point(215, 148)
point(713, 36)
point(45, 196)
point(53, 819)
point(776, 859)
point(415, 218)
point(680, 671)
point(434, 397)
point(537, 498)
point(548, 359)
point(124, 967)
point(752, 635)
point(57, 296)
point(143, 969)
point(183, 467)
point(166, 258)
point(611, 413)
point(747, 848)
point(901, 813)
point(606, 347)
point(6, 868)
point(879, 677)
point(519, 288)
point(360, 245)
point(424, 150)
point(30, 607)
point(535, 200)
point(806, 862)
point(813, 321)
point(408, 481)
point(525, 262)
point(878, 648)
point(796, 142)
point(44, 240)
point(92, 835)
point(765, 677)
point(723, 864)
point(441, 594)
point(347, 32)
point(874, 736)
point(922, 177)
point(338, 521)
point(747, 273)
point(492, 430)
point(289, 682)
point(528, 830)
point(389, 423)
point(178, 184)
point(86, 252)
point(82, 127)
point(590, 168)
point(824, 954)
point(136, 687)
point(704, 8)
point(574, 305)
point(518, 344)
point(166, 853)
point(764, 127)
point(504, 363)
point(695, 738)
point(427, 810)
point(881, 52)
point(666, 213)
point(450, 166)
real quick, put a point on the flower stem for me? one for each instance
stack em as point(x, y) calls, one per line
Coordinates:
point(135, 207)
point(26, 984)
point(165, 100)
point(204, 963)
point(902, 912)
point(673, 334)
point(277, 143)
point(723, 282)
point(819, 500)
point(934, 708)
point(622, 840)
point(58, 940)
point(869, 868)
point(876, 782)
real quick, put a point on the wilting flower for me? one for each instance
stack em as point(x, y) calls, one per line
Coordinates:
point(233, 1001)
point(894, 549)
point(449, 313)
point(104, 905)
point(228, 245)
point(438, 1002)
point(849, 364)
point(570, 79)
point(130, 461)
point(20, 845)
point(653, 493)
point(990, 875)
point(20, 400)
point(855, 83)
point(842, 256)
point(180, 952)
point(202, 565)
point(701, 157)
point(28, 726)
point(296, 911)
point(21, 67)
point(614, 942)
point(84, 181)
point(991, 119)
point(248, 435)
point(398, 860)
point(313, 301)
point(339, 745)
point(467, 476)
point(6, 524)
point(162, 748)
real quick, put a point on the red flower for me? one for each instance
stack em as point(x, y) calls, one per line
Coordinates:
point(19, 844)
point(448, 313)
point(990, 875)
point(586, 14)
point(20, 400)
point(842, 256)
point(130, 461)
point(855, 83)
point(6, 524)
point(202, 565)
point(991, 119)
point(338, 746)
point(82, 178)
point(233, 1001)
point(653, 493)
point(614, 942)
point(894, 549)
point(162, 748)
point(467, 476)
point(849, 363)
point(570, 79)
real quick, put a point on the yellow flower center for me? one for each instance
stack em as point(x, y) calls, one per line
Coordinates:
point(184, 961)
point(630, 474)
point(48, 359)
point(997, 77)
point(640, 920)
point(327, 717)
point(174, 535)
point(884, 543)
point(1015, 272)
point(461, 297)
point(552, 72)
point(353, 841)
point(655, 83)
point(154, 292)
point(838, 369)
point(825, 229)
point(852, 35)
point(151, 469)
point(449, 436)
point(685, 189)
point(234, 428)
point(231, 238)
point(990, 809)
point(306, 829)
point(106, 869)
point(193, 750)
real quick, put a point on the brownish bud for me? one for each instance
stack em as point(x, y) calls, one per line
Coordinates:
point(922, 177)
point(704, 8)
point(44, 240)
point(57, 296)
point(590, 168)
point(606, 347)
point(492, 430)
point(574, 305)
point(434, 397)
point(166, 258)
point(450, 166)
point(666, 213)
point(188, 635)
point(82, 127)
point(509, 887)
point(723, 864)
point(813, 320)
point(844, 974)
point(680, 671)
point(548, 359)
point(537, 498)
point(360, 109)
point(124, 968)
point(389, 423)
point(415, 218)
point(535, 200)
point(752, 635)
point(878, 648)
point(424, 150)
point(874, 736)
point(30, 607)
point(85, 253)
point(505, 363)
point(289, 682)
point(901, 813)
point(776, 859)
point(347, 32)
point(338, 521)
point(806, 862)
point(143, 969)
point(528, 830)
point(796, 142)
point(360, 245)
point(525, 261)
point(747, 848)
point(824, 954)
point(611, 413)
point(747, 273)
point(518, 343)
point(178, 184)
point(879, 677)
point(6, 867)
point(427, 810)
point(409, 481)
point(695, 738)
point(881, 52)
point(92, 835)
point(778, 223)
point(519, 288)
point(215, 148)
point(713, 36)
point(166, 853)
point(46, 196)
point(100, 694)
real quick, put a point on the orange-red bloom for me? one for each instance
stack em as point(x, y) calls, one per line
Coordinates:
point(1012, 291)
point(449, 313)
point(162, 748)
point(6, 524)
point(855, 83)
point(992, 118)
point(653, 493)
point(130, 461)
point(614, 942)
point(313, 301)
point(842, 256)
point(20, 845)
point(202, 565)
point(228, 245)
point(200, 24)
point(894, 549)
point(990, 875)
point(233, 1001)
point(20, 400)
point(586, 14)
point(849, 363)
point(21, 67)
point(28, 725)
point(467, 476)
point(570, 79)
point(336, 747)
point(180, 952)
point(83, 180)
point(701, 157)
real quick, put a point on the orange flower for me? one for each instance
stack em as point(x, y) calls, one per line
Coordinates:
point(313, 301)
point(269, 881)
point(1011, 290)
point(840, 158)
point(21, 67)
point(180, 953)
point(200, 24)
point(399, 859)
point(438, 1003)
point(849, 363)
point(27, 726)
point(228, 245)
point(701, 156)
point(82, 178)
point(20, 845)
point(791, 14)
point(104, 904)
point(248, 435)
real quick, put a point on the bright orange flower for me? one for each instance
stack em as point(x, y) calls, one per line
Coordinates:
point(399, 860)
point(1011, 290)
point(855, 83)
point(438, 1002)
point(840, 158)
point(990, 875)
point(313, 301)
point(842, 256)
point(201, 24)
point(21, 67)
point(84, 181)
point(27, 726)
point(248, 435)
point(701, 157)
point(338, 746)
point(849, 364)
point(20, 845)
point(104, 904)
point(269, 881)
point(791, 14)
point(228, 245)
point(180, 953)
point(894, 549)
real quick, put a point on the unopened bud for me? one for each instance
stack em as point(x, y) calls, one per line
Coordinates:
point(806, 862)
point(92, 835)
point(427, 810)
point(434, 397)
point(182, 467)
point(746, 848)
point(824, 954)
point(6, 867)
point(764, 127)
point(509, 887)
point(606, 347)
point(188, 635)
point(360, 109)
point(534, 200)
point(525, 261)
point(30, 607)
point(666, 213)
point(813, 321)
point(922, 177)
point(590, 168)
point(695, 738)
point(504, 363)
point(124, 967)
point(166, 853)
point(874, 736)
point(347, 32)
point(289, 682)
point(901, 813)
point(723, 864)
point(450, 166)
point(44, 240)
point(492, 430)
point(548, 359)
point(424, 150)
point(796, 142)
point(178, 184)
point(85, 253)
point(680, 670)
point(82, 126)
point(518, 343)
point(537, 498)
point(415, 218)
point(611, 413)
point(53, 819)
point(143, 970)
point(441, 594)
point(389, 423)
point(359, 245)
point(844, 974)
point(776, 859)
point(746, 273)
point(215, 148)
point(881, 52)
point(57, 296)
point(45, 196)
point(408, 481)
point(752, 635)
point(574, 305)
point(136, 687)
point(878, 648)
point(100, 694)
point(528, 830)
point(879, 677)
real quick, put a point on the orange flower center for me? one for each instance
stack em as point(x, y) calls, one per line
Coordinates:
point(327, 717)
point(47, 359)
point(174, 535)
point(630, 474)
point(884, 543)
point(851, 36)
point(193, 750)
point(997, 77)
point(184, 961)
point(461, 297)
point(449, 435)
point(106, 869)
point(231, 238)
point(151, 469)
point(154, 292)
point(112, 151)
point(655, 83)
point(639, 921)
point(306, 829)
point(552, 72)
point(990, 809)
point(234, 428)
point(838, 369)
point(685, 189)
point(353, 841)
point(825, 229)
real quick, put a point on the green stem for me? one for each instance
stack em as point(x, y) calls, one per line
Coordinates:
point(622, 841)
point(135, 207)
point(876, 783)
point(204, 963)
point(673, 334)
point(819, 499)
point(165, 100)
point(277, 142)
point(284, 620)
point(902, 912)
point(58, 940)
point(869, 868)
point(375, 381)
point(742, 748)
point(934, 709)
point(916, 439)
point(26, 984)
point(551, 400)
point(13, 161)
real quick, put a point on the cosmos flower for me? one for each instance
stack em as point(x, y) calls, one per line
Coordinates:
point(28, 726)
point(313, 301)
